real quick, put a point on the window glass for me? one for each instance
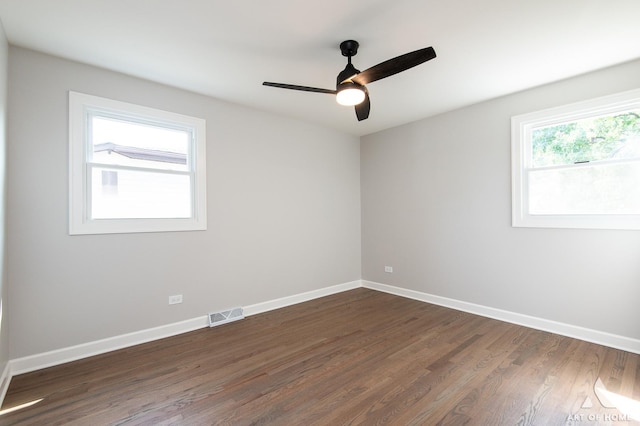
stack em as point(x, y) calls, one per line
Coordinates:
point(116, 141)
point(133, 194)
point(590, 139)
point(588, 190)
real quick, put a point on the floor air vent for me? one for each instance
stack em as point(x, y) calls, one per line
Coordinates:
point(223, 317)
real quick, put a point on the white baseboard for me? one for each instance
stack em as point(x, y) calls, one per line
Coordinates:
point(259, 308)
point(61, 356)
point(85, 350)
point(5, 380)
point(594, 336)
point(97, 347)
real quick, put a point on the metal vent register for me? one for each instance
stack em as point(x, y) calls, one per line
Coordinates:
point(223, 317)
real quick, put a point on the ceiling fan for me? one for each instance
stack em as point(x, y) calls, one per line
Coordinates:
point(351, 83)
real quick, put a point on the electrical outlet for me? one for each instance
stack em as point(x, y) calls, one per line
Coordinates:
point(388, 269)
point(174, 300)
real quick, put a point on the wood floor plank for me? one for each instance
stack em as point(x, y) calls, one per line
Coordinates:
point(358, 357)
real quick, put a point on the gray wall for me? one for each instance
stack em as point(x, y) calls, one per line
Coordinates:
point(436, 205)
point(4, 323)
point(283, 215)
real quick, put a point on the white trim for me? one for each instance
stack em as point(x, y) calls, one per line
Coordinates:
point(594, 336)
point(270, 305)
point(85, 350)
point(5, 380)
point(61, 356)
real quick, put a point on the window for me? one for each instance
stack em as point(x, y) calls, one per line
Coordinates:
point(134, 169)
point(578, 166)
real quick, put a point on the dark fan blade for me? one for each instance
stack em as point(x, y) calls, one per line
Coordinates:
point(362, 109)
point(394, 66)
point(303, 88)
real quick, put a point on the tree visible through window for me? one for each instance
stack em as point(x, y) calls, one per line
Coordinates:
point(591, 139)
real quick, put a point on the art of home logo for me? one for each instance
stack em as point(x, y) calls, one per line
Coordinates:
point(627, 409)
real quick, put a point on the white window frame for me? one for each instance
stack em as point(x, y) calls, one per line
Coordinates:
point(81, 106)
point(521, 162)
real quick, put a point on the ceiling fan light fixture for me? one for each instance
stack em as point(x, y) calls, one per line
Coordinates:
point(350, 94)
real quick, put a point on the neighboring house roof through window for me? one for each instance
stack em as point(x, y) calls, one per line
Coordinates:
point(142, 153)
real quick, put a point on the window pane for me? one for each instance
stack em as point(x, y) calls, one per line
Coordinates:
point(593, 189)
point(138, 145)
point(126, 194)
point(591, 139)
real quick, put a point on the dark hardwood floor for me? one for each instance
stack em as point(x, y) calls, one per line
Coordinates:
point(359, 357)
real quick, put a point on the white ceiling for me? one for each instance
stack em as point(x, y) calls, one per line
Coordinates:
point(226, 49)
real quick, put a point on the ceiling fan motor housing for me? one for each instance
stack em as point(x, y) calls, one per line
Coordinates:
point(349, 48)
